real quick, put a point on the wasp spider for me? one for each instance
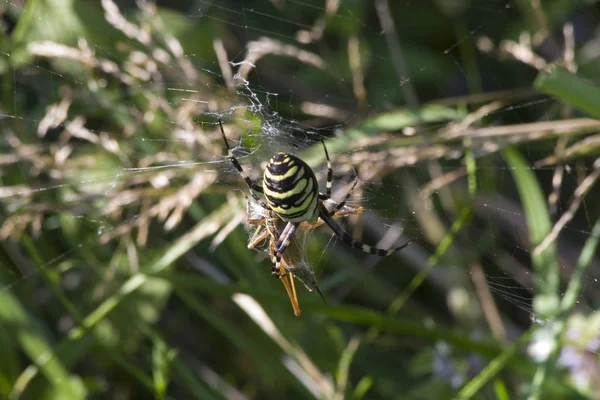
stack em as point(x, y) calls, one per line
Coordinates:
point(291, 191)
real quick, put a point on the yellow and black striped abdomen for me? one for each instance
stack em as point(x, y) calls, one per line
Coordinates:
point(290, 188)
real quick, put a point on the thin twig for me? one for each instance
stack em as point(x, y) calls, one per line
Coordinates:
point(358, 78)
point(398, 61)
point(579, 149)
point(441, 181)
point(522, 51)
point(490, 310)
point(315, 33)
point(224, 64)
point(557, 178)
point(540, 16)
point(569, 53)
point(531, 130)
point(578, 197)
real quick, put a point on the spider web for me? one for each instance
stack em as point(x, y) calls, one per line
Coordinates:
point(124, 143)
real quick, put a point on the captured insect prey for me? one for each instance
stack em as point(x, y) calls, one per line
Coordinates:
point(293, 263)
point(292, 197)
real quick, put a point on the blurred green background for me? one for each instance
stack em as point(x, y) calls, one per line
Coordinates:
point(124, 267)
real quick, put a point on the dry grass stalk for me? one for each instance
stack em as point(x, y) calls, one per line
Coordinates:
point(579, 149)
point(264, 46)
point(315, 33)
point(577, 199)
point(358, 78)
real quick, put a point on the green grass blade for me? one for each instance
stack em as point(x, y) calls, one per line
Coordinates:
point(406, 327)
point(501, 390)
point(195, 386)
point(9, 362)
point(545, 267)
point(29, 335)
point(493, 368)
point(362, 387)
point(568, 302)
point(441, 249)
point(263, 354)
point(202, 230)
point(569, 88)
point(162, 360)
point(343, 372)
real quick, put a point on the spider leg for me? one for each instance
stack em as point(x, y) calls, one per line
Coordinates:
point(342, 234)
point(337, 214)
point(257, 238)
point(286, 237)
point(251, 185)
point(336, 211)
point(344, 200)
point(327, 194)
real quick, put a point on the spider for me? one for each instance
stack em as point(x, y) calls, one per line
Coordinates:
point(291, 192)
point(292, 262)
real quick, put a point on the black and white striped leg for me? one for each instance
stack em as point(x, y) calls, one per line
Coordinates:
point(251, 185)
point(276, 265)
point(341, 204)
point(327, 195)
point(342, 234)
point(286, 237)
point(344, 200)
point(276, 268)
